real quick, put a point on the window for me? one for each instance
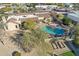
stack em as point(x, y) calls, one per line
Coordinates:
point(6, 27)
point(19, 25)
point(16, 26)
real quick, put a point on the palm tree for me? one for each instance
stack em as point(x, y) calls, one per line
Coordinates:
point(31, 7)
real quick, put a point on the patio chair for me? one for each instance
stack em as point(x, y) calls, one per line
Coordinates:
point(59, 44)
point(63, 44)
point(54, 46)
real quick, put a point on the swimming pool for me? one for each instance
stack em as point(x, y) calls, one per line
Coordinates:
point(54, 31)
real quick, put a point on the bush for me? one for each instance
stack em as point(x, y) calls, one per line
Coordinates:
point(29, 24)
point(66, 21)
point(16, 53)
point(6, 9)
point(60, 16)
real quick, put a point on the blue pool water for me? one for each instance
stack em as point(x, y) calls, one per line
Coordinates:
point(54, 31)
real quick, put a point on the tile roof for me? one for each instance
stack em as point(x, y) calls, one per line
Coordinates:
point(46, 15)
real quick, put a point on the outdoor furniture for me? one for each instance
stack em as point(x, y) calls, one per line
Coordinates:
point(54, 46)
point(63, 44)
point(59, 44)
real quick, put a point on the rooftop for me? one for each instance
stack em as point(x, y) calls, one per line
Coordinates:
point(74, 16)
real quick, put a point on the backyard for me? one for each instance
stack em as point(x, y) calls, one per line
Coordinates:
point(40, 36)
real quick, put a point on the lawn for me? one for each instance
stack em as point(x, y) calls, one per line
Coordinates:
point(69, 53)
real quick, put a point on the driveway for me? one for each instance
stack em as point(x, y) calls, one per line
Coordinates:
point(7, 46)
point(4, 51)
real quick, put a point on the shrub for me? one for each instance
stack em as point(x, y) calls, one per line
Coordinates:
point(29, 24)
point(60, 16)
point(16, 53)
point(66, 21)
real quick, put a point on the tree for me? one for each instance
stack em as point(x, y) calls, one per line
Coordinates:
point(76, 40)
point(3, 14)
point(31, 6)
point(27, 43)
point(22, 8)
point(28, 24)
point(76, 6)
point(36, 39)
point(60, 16)
point(66, 21)
point(41, 36)
point(61, 5)
point(67, 5)
point(6, 9)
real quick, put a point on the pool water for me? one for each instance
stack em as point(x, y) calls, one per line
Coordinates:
point(54, 31)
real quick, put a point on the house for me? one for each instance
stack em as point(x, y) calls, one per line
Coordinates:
point(43, 15)
point(46, 7)
point(61, 11)
point(2, 6)
point(13, 22)
point(74, 16)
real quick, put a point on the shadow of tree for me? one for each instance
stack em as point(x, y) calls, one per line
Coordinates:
point(18, 40)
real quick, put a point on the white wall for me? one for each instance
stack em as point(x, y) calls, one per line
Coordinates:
point(12, 26)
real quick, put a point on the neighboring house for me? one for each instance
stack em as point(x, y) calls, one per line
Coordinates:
point(14, 22)
point(62, 11)
point(46, 7)
point(2, 6)
point(46, 16)
point(74, 16)
point(43, 15)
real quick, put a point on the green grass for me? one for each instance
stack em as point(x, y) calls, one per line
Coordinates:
point(69, 53)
